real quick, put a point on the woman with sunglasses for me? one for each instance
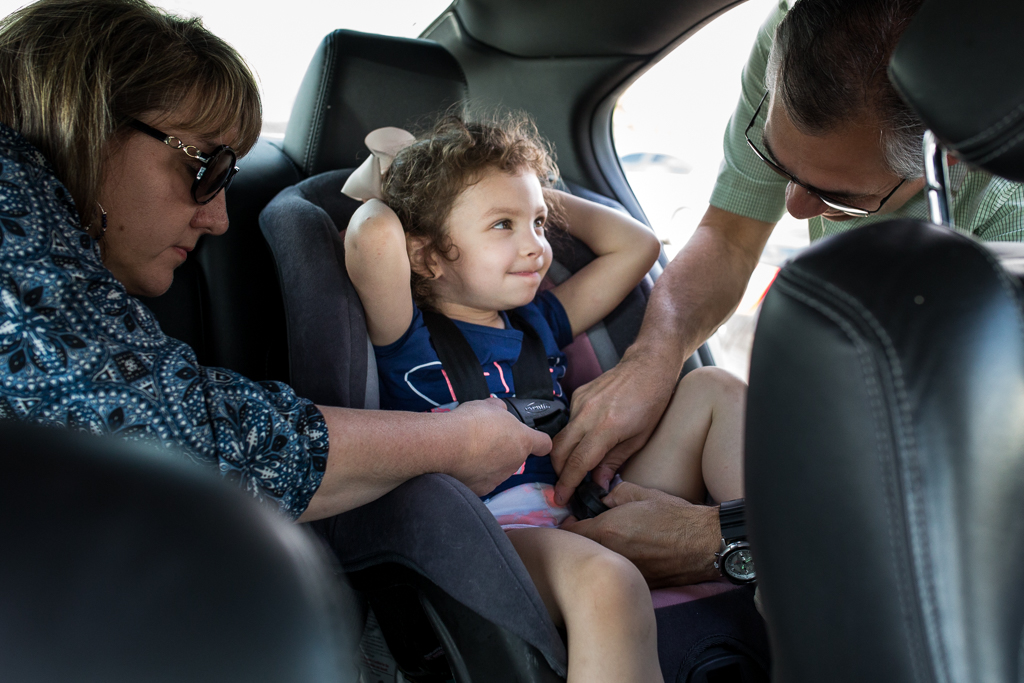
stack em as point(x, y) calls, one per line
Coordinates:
point(120, 129)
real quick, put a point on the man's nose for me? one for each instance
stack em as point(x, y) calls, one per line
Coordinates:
point(803, 204)
point(212, 217)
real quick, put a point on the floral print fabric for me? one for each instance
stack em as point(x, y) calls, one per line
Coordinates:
point(76, 350)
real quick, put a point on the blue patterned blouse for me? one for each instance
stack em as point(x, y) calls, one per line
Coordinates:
point(77, 350)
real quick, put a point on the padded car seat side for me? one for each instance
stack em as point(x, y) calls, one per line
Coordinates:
point(885, 460)
point(121, 563)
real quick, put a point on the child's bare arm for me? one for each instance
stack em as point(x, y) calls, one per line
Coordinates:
point(378, 265)
point(625, 248)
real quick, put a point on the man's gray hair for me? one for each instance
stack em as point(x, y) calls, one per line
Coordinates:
point(828, 67)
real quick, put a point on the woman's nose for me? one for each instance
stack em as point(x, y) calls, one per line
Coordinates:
point(803, 204)
point(212, 217)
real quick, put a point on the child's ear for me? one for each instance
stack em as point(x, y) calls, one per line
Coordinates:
point(421, 257)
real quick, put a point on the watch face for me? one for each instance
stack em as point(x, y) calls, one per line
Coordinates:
point(740, 565)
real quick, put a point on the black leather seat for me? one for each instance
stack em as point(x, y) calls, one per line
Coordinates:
point(885, 419)
point(119, 563)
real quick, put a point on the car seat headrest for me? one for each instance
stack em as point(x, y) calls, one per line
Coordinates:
point(959, 66)
point(122, 563)
point(357, 82)
point(884, 459)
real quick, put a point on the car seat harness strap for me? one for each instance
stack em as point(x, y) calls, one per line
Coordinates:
point(534, 403)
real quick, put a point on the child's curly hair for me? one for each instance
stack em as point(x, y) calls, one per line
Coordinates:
point(426, 178)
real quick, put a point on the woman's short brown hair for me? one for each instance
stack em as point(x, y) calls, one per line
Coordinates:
point(427, 177)
point(74, 72)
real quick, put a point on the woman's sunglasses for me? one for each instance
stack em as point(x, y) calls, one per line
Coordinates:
point(217, 170)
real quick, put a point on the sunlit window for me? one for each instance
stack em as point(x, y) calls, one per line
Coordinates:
point(668, 130)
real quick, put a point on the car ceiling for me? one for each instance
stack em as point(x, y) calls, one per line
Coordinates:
point(562, 28)
point(565, 62)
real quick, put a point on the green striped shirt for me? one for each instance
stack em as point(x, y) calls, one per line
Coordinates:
point(984, 206)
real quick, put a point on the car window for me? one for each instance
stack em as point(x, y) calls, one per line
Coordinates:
point(668, 128)
point(278, 43)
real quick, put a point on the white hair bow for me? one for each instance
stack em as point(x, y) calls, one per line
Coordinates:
point(384, 143)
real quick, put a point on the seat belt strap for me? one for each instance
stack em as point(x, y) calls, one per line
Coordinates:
point(530, 373)
point(458, 360)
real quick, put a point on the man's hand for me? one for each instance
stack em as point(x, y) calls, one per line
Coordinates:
point(611, 419)
point(496, 444)
point(672, 542)
point(613, 416)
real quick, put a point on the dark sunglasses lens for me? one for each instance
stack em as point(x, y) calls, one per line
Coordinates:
point(215, 175)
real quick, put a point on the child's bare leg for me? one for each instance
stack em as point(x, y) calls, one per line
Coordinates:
point(600, 598)
point(697, 448)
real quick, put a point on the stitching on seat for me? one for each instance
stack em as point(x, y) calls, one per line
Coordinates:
point(1008, 283)
point(319, 115)
point(1002, 148)
point(1006, 121)
point(908, 465)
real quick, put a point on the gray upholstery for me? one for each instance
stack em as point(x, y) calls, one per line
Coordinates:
point(425, 525)
point(328, 357)
point(885, 460)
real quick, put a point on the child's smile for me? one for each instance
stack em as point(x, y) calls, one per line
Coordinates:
point(497, 227)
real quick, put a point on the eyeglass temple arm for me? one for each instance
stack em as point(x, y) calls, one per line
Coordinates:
point(936, 181)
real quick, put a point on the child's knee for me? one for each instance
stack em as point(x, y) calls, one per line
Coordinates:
point(613, 583)
point(716, 383)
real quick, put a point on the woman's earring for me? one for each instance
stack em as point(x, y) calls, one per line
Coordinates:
point(103, 221)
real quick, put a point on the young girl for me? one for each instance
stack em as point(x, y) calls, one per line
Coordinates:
point(462, 215)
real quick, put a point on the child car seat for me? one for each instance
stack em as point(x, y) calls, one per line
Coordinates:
point(885, 418)
point(473, 598)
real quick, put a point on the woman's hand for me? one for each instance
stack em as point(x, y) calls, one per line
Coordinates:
point(496, 445)
point(672, 542)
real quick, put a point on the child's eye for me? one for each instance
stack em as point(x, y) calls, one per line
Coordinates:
point(503, 225)
point(538, 224)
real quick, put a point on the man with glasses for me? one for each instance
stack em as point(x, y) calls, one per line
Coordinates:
point(819, 132)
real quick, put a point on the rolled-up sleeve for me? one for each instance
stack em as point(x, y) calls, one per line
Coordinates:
point(745, 185)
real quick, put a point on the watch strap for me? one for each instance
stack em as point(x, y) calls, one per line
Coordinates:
point(733, 520)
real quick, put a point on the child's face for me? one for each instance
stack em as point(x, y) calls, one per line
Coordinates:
point(497, 224)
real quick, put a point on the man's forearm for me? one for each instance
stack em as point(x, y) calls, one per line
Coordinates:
point(701, 287)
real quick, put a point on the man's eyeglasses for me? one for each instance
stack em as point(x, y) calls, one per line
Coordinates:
point(827, 200)
point(217, 170)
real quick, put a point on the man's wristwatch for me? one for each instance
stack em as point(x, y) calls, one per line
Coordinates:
point(733, 558)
